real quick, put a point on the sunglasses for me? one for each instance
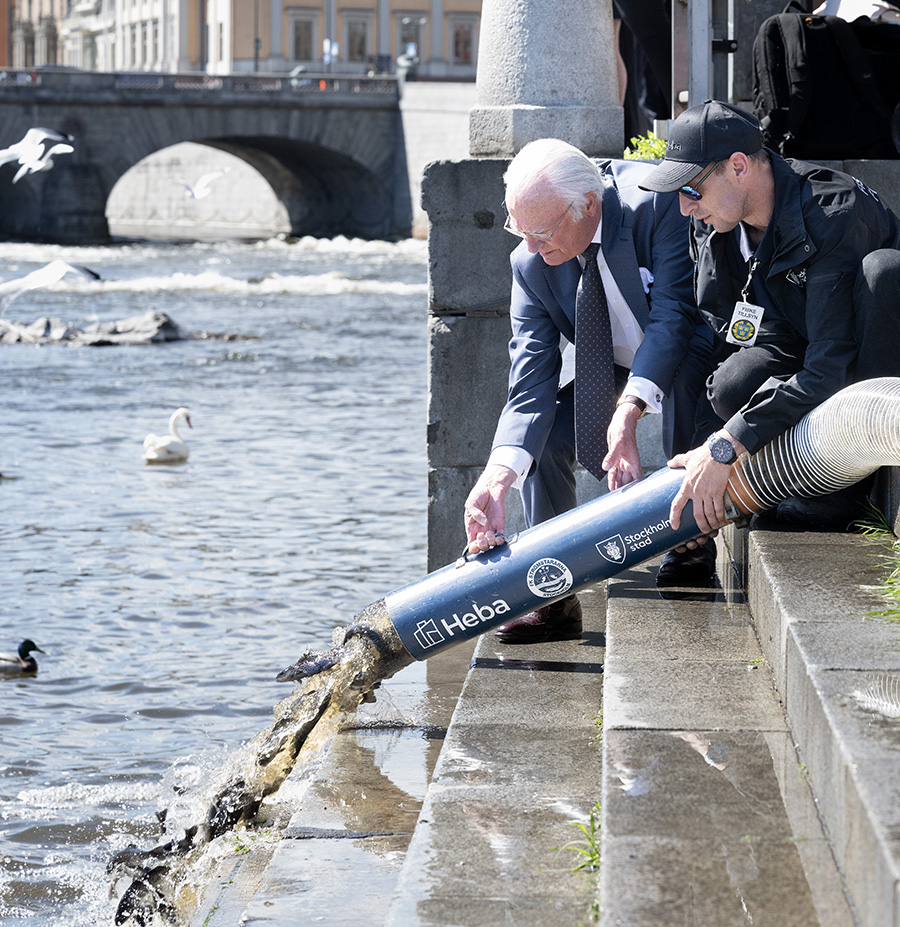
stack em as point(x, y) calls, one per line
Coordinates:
point(692, 192)
point(539, 236)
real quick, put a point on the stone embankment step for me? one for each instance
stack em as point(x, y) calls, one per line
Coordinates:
point(836, 664)
point(708, 816)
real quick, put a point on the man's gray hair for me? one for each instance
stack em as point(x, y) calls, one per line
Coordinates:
point(568, 172)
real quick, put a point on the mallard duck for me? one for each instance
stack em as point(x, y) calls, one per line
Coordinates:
point(21, 661)
point(168, 448)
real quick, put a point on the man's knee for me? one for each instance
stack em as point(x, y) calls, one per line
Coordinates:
point(877, 284)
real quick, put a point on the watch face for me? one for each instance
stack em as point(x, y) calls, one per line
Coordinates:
point(722, 450)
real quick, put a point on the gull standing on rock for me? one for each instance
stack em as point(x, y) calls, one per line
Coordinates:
point(31, 154)
point(168, 448)
point(21, 661)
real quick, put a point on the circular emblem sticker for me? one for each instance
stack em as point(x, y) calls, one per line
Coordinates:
point(743, 330)
point(549, 578)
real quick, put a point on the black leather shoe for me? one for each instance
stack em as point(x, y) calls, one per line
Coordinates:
point(690, 568)
point(560, 621)
point(838, 511)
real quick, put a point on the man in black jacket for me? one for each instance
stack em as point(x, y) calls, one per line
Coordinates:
point(798, 273)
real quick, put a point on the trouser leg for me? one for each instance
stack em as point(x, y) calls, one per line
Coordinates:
point(549, 490)
point(876, 304)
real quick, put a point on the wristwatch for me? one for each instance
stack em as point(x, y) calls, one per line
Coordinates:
point(721, 449)
point(636, 401)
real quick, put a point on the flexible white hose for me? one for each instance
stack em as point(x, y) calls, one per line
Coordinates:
point(840, 442)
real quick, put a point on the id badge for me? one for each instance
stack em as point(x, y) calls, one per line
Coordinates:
point(744, 325)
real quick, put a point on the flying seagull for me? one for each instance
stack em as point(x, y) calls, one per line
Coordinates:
point(43, 276)
point(31, 152)
point(202, 187)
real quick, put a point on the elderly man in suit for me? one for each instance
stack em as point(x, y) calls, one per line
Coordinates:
point(573, 213)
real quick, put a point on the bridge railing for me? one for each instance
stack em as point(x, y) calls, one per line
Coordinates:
point(137, 81)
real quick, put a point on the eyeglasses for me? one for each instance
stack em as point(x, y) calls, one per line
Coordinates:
point(692, 192)
point(539, 236)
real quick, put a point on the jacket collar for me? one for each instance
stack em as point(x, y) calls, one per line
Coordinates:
point(791, 243)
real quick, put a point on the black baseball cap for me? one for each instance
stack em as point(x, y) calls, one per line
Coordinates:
point(702, 134)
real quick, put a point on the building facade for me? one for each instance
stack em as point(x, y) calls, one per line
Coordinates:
point(435, 39)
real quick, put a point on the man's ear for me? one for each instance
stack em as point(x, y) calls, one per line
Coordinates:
point(740, 165)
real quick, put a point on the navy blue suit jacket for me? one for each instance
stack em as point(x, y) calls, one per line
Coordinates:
point(638, 229)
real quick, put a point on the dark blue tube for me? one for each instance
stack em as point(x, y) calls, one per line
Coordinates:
point(541, 565)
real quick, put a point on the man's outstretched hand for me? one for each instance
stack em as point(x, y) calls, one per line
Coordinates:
point(485, 509)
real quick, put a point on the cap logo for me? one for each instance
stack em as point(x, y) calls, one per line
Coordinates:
point(674, 146)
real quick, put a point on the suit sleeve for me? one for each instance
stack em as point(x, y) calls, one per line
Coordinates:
point(535, 364)
point(663, 234)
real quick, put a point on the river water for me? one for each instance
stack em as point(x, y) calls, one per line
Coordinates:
point(168, 597)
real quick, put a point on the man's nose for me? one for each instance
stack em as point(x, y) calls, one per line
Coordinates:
point(534, 244)
point(686, 204)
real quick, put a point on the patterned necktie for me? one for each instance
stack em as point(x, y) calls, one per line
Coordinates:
point(595, 379)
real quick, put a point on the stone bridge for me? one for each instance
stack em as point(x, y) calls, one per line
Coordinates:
point(331, 146)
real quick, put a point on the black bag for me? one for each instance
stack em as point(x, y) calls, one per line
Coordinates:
point(826, 89)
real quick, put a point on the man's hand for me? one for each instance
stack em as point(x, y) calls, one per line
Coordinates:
point(623, 462)
point(485, 509)
point(704, 485)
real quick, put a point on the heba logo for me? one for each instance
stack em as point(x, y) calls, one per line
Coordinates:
point(479, 615)
point(427, 634)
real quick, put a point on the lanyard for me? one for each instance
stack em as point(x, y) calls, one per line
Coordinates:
point(745, 293)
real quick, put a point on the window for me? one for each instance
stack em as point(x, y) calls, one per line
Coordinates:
point(463, 43)
point(303, 40)
point(357, 40)
point(411, 28)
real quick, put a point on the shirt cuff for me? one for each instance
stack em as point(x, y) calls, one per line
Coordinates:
point(647, 390)
point(516, 458)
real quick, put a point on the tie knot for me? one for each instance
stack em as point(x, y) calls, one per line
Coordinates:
point(590, 252)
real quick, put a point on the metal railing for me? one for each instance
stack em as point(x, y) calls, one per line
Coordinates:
point(281, 84)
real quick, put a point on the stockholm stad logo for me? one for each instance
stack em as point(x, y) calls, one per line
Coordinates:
point(612, 549)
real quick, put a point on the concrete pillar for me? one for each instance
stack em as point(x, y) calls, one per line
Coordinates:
point(546, 70)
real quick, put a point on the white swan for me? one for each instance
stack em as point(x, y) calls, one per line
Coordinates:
point(21, 661)
point(168, 448)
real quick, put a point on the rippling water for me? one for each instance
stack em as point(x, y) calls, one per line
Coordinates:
point(167, 597)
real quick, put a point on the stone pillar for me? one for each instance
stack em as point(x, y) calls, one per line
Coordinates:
point(546, 70)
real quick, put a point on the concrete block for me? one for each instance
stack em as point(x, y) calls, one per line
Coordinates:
point(881, 176)
point(467, 387)
point(468, 249)
point(504, 130)
point(786, 582)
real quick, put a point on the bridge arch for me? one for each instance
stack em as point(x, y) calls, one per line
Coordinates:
point(334, 159)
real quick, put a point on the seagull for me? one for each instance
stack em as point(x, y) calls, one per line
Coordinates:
point(30, 153)
point(201, 188)
point(169, 448)
point(21, 661)
point(43, 276)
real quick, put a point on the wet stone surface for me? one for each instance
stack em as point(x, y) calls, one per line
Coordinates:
point(708, 817)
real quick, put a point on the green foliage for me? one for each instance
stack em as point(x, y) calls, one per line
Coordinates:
point(647, 147)
point(589, 848)
point(875, 525)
